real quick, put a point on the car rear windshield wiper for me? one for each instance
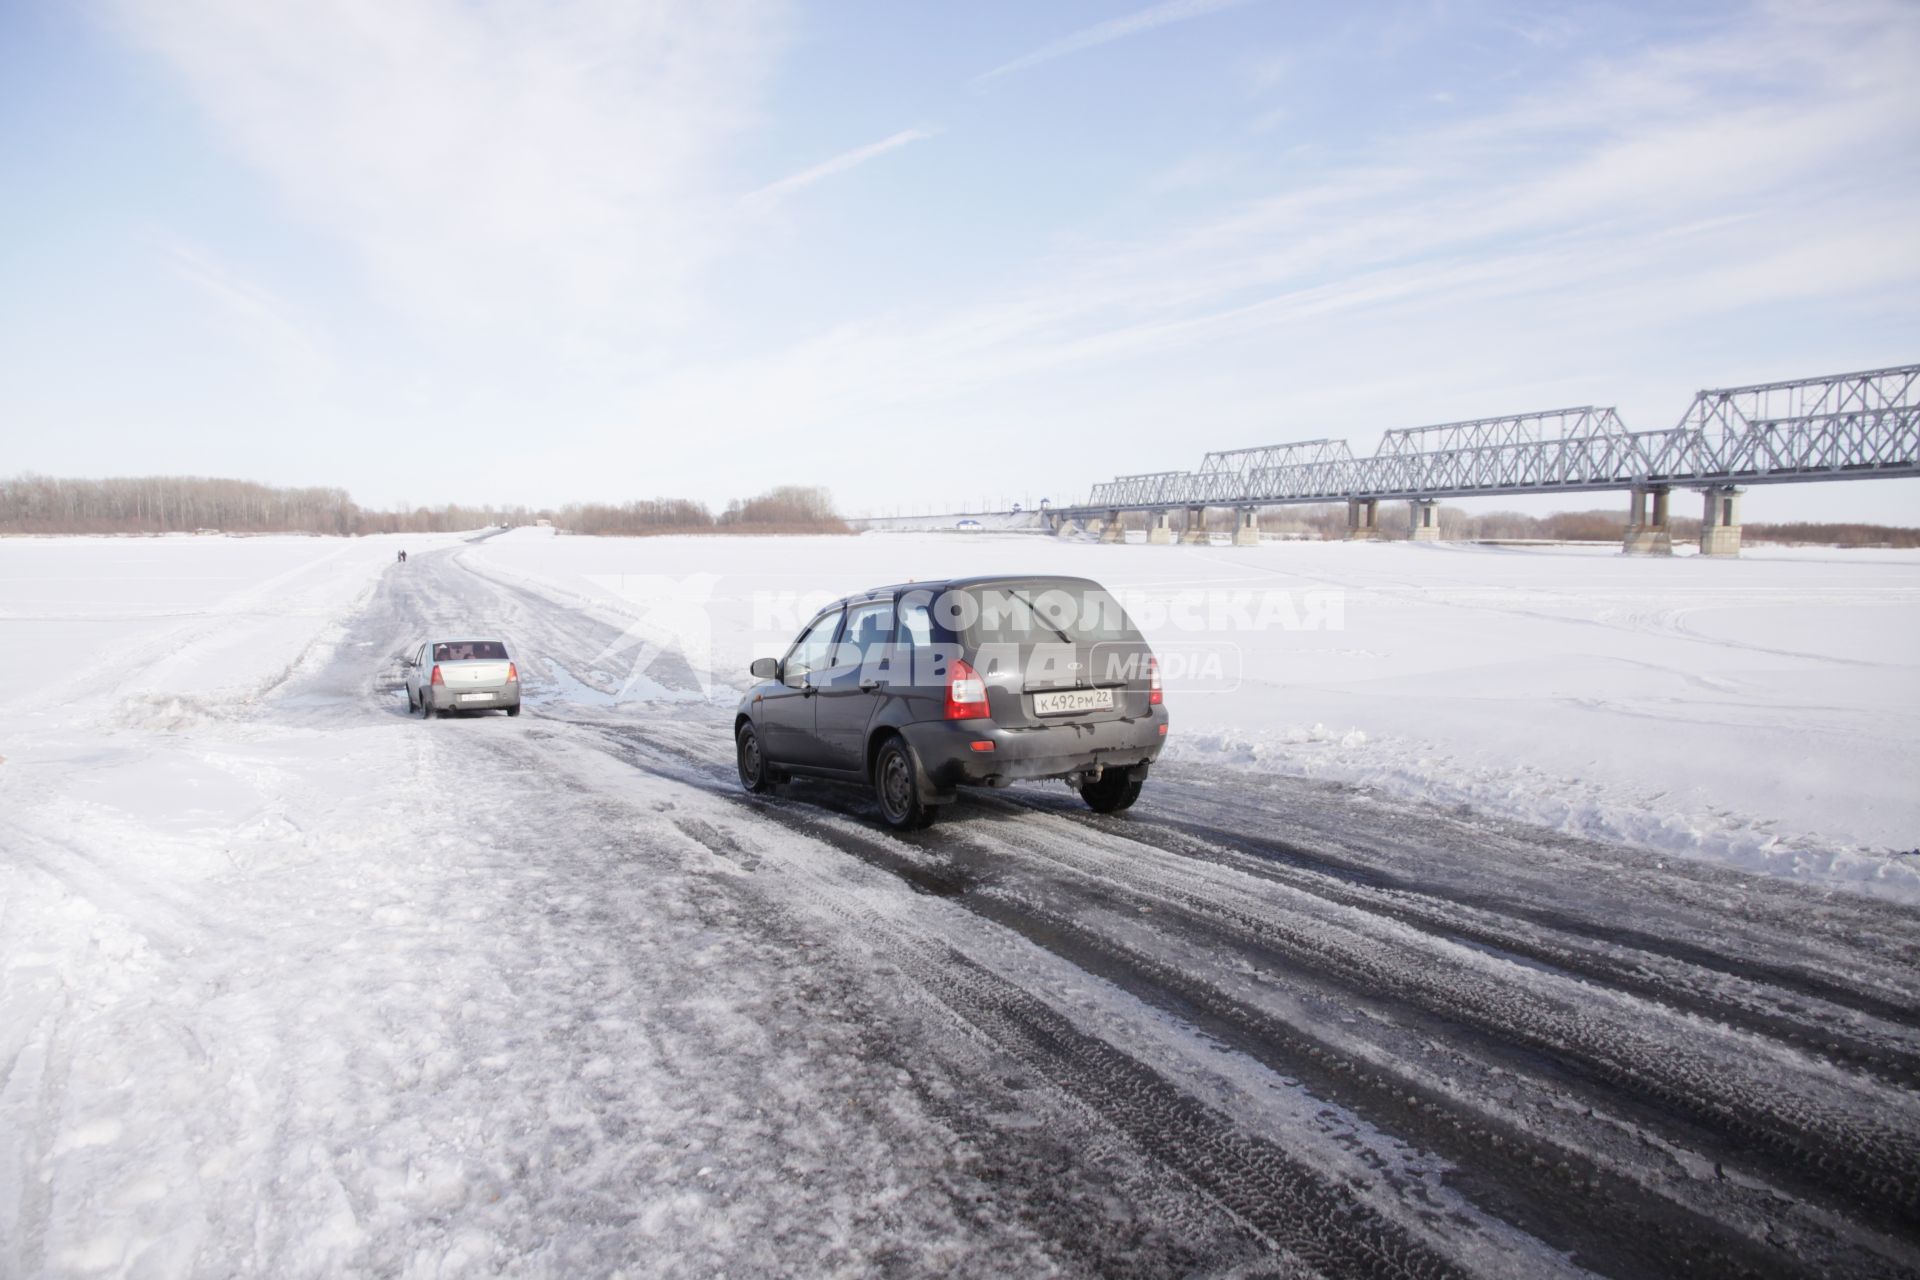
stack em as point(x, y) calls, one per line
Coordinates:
point(1035, 610)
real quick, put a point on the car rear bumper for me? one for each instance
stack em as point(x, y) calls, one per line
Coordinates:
point(447, 699)
point(949, 758)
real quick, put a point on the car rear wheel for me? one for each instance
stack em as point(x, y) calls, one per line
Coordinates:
point(893, 785)
point(1116, 789)
point(426, 705)
point(514, 710)
point(755, 776)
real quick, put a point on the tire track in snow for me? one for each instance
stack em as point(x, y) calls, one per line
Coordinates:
point(1613, 1038)
point(1767, 995)
point(1770, 1000)
point(1292, 1207)
point(1659, 1083)
point(1505, 1164)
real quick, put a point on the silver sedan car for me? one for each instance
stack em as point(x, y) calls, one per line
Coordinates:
point(445, 676)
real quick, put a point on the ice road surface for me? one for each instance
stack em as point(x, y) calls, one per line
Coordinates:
point(295, 984)
point(1759, 712)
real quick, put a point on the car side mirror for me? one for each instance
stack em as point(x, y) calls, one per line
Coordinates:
point(764, 668)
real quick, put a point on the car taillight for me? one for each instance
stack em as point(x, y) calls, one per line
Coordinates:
point(966, 693)
point(513, 673)
point(436, 675)
point(1154, 697)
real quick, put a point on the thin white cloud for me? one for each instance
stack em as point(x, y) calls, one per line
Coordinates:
point(490, 164)
point(1132, 24)
point(774, 192)
point(1527, 245)
point(263, 319)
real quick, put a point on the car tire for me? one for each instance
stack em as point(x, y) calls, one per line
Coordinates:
point(755, 775)
point(427, 711)
point(1117, 789)
point(514, 710)
point(895, 789)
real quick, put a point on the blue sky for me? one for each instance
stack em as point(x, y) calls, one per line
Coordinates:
point(516, 252)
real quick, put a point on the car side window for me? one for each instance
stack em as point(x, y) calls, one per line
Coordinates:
point(926, 645)
point(812, 650)
point(868, 632)
point(916, 624)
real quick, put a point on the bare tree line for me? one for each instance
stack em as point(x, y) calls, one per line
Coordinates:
point(33, 504)
point(787, 509)
point(1611, 526)
point(1329, 521)
point(1834, 535)
point(184, 504)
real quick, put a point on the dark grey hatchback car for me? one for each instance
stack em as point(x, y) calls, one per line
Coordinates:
point(923, 688)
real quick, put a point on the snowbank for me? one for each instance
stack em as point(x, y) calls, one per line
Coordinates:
point(1756, 712)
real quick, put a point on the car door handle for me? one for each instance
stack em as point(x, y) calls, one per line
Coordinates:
point(868, 686)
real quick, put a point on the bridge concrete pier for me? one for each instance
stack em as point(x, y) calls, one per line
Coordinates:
point(1363, 519)
point(1160, 532)
point(1649, 532)
point(1720, 522)
point(1246, 527)
point(1426, 519)
point(1195, 533)
point(1112, 530)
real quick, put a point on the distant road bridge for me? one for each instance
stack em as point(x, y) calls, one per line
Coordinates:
point(1850, 426)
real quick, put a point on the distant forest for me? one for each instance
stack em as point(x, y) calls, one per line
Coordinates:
point(787, 509)
point(32, 504)
point(1611, 526)
point(186, 504)
point(1329, 520)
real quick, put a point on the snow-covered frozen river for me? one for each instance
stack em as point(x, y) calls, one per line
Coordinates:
point(294, 984)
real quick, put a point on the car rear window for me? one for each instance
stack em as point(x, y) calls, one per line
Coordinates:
point(1039, 613)
point(470, 651)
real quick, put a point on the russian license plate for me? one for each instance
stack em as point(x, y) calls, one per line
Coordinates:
point(476, 697)
point(1064, 702)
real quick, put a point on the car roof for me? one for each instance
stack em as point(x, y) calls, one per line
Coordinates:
point(946, 584)
point(468, 640)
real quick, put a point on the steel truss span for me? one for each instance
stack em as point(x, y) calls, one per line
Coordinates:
point(1850, 426)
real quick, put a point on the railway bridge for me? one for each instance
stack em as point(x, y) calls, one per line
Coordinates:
point(1851, 426)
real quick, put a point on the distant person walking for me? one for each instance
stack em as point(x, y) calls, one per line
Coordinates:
point(403, 557)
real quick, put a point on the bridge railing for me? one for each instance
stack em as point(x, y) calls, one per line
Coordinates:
point(1729, 410)
point(1845, 426)
point(1510, 430)
point(1543, 465)
point(1842, 445)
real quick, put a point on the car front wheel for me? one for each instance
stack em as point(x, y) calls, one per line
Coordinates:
point(1117, 789)
point(893, 785)
point(755, 776)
